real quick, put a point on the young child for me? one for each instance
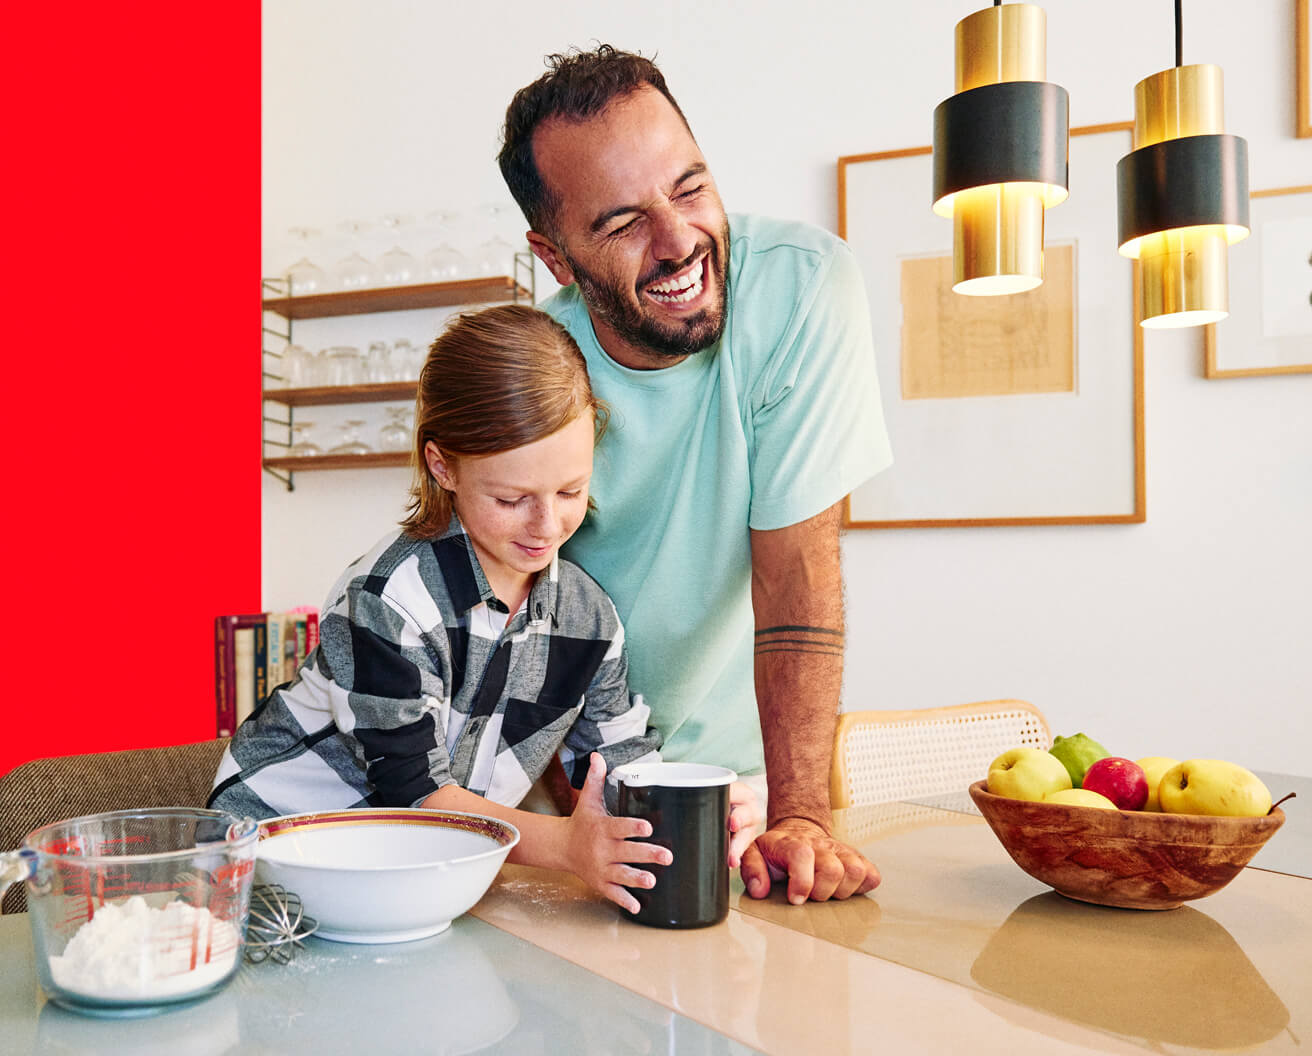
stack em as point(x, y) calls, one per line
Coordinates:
point(461, 653)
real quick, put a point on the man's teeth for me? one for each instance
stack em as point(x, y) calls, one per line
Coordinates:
point(677, 291)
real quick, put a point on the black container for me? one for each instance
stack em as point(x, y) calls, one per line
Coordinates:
point(687, 805)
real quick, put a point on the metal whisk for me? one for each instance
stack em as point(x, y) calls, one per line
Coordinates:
point(277, 924)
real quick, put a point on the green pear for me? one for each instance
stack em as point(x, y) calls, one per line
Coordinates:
point(1077, 754)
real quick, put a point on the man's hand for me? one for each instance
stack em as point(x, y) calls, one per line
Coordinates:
point(816, 865)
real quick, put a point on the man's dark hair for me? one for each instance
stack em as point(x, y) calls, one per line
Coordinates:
point(577, 86)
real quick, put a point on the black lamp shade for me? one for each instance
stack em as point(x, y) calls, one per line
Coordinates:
point(1013, 131)
point(1191, 181)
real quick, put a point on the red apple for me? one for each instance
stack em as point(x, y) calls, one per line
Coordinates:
point(1120, 780)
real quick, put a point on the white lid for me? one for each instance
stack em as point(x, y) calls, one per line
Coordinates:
point(674, 775)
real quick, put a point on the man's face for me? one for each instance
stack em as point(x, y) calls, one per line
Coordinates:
point(640, 228)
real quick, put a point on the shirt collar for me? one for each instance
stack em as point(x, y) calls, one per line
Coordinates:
point(467, 586)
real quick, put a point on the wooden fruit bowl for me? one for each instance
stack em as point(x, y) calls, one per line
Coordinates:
point(1132, 859)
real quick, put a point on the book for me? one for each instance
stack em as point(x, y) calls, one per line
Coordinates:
point(229, 687)
point(311, 632)
point(273, 632)
point(260, 668)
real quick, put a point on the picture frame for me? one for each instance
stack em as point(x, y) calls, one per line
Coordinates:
point(1051, 454)
point(1303, 68)
point(1269, 329)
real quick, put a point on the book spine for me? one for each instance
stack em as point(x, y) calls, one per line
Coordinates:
point(273, 627)
point(302, 637)
point(261, 662)
point(244, 670)
point(311, 632)
point(225, 702)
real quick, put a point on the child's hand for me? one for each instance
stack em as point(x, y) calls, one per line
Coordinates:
point(599, 847)
point(745, 821)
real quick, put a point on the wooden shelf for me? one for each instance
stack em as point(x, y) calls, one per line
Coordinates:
point(399, 298)
point(373, 460)
point(325, 395)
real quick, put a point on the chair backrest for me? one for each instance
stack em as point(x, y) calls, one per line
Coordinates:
point(880, 756)
point(42, 791)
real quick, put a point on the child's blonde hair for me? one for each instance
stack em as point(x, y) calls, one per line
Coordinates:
point(494, 380)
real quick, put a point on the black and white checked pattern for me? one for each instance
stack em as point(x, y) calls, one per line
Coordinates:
point(421, 678)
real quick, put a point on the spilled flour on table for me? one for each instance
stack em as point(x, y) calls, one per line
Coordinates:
point(131, 950)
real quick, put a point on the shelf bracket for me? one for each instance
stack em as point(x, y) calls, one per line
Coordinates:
point(286, 478)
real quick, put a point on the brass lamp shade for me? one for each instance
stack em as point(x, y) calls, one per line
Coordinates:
point(1000, 150)
point(1182, 196)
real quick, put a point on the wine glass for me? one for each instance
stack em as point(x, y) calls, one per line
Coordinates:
point(398, 266)
point(444, 263)
point(303, 446)
point(351, 443)
point(395, 433)
point(354, 271)
point(305, 277)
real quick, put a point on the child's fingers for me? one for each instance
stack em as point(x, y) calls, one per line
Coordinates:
point(620, 897)
point(629, 876)
point(629, 851)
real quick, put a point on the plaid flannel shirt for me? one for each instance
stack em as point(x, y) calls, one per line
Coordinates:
point(416, 685)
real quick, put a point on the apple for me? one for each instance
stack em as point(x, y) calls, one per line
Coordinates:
point(1026, 773)
point(1080, 797)
point(1120, 780)
point(1077, 754)
point(1154, 766)
point(1213, 786)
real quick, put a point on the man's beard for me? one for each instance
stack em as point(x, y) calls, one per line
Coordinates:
point(674, 340)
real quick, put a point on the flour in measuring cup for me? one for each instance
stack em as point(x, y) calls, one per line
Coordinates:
point(131, 950)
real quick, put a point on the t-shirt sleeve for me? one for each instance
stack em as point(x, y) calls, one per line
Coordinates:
point(817, 423)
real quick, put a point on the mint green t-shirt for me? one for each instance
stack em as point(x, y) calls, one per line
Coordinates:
point(773, 424)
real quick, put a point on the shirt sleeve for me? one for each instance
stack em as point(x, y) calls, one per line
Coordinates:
point(613, 721)
point(817, 423)
point(388, 694)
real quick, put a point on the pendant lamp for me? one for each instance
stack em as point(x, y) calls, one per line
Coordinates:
point(1182, 194)
point(1000, 150)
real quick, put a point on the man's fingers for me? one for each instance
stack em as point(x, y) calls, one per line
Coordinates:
point(799, 861)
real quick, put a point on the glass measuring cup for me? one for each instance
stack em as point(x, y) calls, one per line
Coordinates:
point(134, 910)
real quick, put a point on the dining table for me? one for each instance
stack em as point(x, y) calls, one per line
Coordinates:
point(956, 950)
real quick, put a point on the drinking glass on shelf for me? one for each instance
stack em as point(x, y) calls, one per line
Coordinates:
point(378, 367)
point(397, 267)
point(354, 271)
point(303, 446)
point(351, 443)
point(444, 263)
point(395, 433)
point(344, 366)
point(298, 367)
point(496, 256)
point(408, 359)
point(305, 277)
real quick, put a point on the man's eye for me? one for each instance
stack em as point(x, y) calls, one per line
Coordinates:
point(692, 192)
point(623, 228)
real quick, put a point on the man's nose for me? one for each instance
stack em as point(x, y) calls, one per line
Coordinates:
point(673, 237)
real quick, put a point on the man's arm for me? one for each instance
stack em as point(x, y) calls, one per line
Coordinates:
point(797, 597)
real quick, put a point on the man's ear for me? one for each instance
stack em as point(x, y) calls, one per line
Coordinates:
point(439, 466)
point(545, 250)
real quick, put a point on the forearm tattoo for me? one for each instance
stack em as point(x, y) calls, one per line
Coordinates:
point(790, 638)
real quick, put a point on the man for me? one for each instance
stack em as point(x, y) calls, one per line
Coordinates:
point(736, 357)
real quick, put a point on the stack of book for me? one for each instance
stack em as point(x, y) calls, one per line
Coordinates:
point(254, 654)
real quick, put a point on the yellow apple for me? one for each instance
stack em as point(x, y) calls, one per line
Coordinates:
point(1215, 787)
point(1154, 766)
point(1080, 797)
point(1026, 773)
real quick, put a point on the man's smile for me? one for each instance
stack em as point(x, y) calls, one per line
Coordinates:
point(681, 288)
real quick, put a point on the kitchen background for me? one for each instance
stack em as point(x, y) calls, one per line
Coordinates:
point(1189, 634)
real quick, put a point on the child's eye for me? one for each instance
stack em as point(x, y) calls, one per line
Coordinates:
point(572, 494)
point(509, 502)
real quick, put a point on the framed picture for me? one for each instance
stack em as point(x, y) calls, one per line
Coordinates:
point(1269, 330)
point(1303, 65)
point(1011, 410)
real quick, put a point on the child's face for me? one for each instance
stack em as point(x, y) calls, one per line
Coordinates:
point(518, 507)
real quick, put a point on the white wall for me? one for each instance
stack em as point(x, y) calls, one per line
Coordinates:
point(1188, 635)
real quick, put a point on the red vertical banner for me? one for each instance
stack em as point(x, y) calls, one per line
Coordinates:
point(132, 427)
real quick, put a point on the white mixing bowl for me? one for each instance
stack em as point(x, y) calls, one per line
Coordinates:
point(378, 875)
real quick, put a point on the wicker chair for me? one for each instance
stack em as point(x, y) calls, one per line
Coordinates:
point(881, 756)
point(47, 790)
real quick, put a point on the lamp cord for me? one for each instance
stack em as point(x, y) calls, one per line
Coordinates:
point(1179, 33)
